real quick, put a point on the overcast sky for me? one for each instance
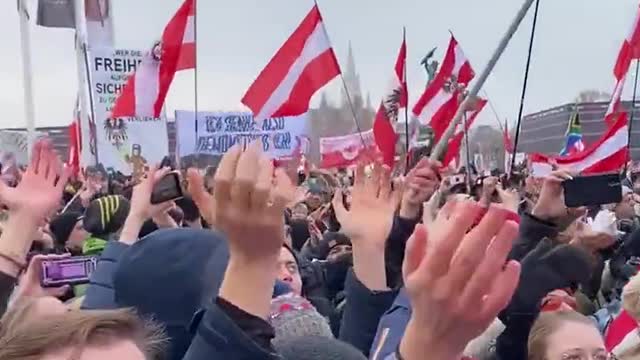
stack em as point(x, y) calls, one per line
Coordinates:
point(576, 45)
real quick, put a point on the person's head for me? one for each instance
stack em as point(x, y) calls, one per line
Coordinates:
point(289, 270)
point(81, 335)
point(625, 208)
point(339, 245)
point(106, 215)
point(68, 231)
point(299, 211)
point(565, 335)
point(192, 263)
point(190, 211)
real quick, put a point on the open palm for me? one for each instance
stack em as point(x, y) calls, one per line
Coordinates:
point(373, 204)
point(40, 189)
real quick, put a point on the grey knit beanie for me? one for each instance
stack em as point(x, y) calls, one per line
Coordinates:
point(293, 316)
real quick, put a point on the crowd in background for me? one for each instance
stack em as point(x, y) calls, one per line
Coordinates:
point(258, 262)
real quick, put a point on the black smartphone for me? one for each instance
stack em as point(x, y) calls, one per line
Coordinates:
point(71, 271)
point(168, 188)
point(592, 190)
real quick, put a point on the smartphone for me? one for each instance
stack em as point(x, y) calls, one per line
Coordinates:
point(592, 190)
point(70, 271)
point(168, 188)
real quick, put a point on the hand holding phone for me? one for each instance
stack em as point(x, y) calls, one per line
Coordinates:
point(167, 188)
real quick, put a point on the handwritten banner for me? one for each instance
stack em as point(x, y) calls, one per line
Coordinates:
point(128, 145)
point(214, 133)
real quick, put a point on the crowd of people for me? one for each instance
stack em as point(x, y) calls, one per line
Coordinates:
point(254, 262)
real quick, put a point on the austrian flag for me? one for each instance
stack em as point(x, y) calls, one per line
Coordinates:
point(146, 90)
point(440, 101)
point(387, 116)
point(303, 65)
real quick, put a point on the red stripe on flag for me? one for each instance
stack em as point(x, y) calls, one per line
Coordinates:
point(466, 73)
point(126, 101)
point(315, 75)
point(187, 58)
point(171, 49)
point(276, 70)
point(385, 136)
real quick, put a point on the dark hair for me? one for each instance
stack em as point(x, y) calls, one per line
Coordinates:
point(189, 208)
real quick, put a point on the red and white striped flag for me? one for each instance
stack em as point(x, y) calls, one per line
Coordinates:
point(304, 64)
point(147, 88)
point(609, 154)
point(347, 150)
point(394, 100)
point(455, 143)
point(439, 103)
point(629, 51)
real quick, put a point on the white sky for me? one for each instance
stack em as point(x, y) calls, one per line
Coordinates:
point(576, 47)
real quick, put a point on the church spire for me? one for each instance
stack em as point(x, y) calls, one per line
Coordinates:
point(351, 63)
point(368, 103)
point(352, 80)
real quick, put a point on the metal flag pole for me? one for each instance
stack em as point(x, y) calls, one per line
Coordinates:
point(27, 80)
point(468, 153)
point(345, 87)
point(440, 147)
point(524, 86)
point(195, 79)
point(633, 113)
point(84, 87)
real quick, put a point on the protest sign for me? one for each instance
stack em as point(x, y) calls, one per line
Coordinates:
point(348, 150)
point(127, 145)
point(216, 132)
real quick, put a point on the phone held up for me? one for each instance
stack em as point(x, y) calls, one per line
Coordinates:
point(592, 190)
point(168, 188)
point(71, 271)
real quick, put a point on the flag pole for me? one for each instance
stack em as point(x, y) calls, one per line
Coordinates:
point(468, 153)
point(440, 147)
point(25, 42)
point(633, 112)
point(84, 87)
point(524, 86)
point(195, 77)
point(406, 108)
point(345, 87)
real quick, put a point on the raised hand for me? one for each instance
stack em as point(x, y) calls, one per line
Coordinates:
point(509, 198)
point(456, 279)
point(250, 200)
point(368, 222)
point(141, 208)
point(550, 205)
point(40, 190)
point(373, 203)
point(422, 181)
point(203, 199)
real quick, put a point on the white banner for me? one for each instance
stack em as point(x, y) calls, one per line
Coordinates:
point(124, 144)
point(218, 131)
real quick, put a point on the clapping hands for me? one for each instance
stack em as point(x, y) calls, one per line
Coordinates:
point(457, 279)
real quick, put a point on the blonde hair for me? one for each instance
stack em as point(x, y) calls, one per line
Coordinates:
point(30, 340)
point(545, 326)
